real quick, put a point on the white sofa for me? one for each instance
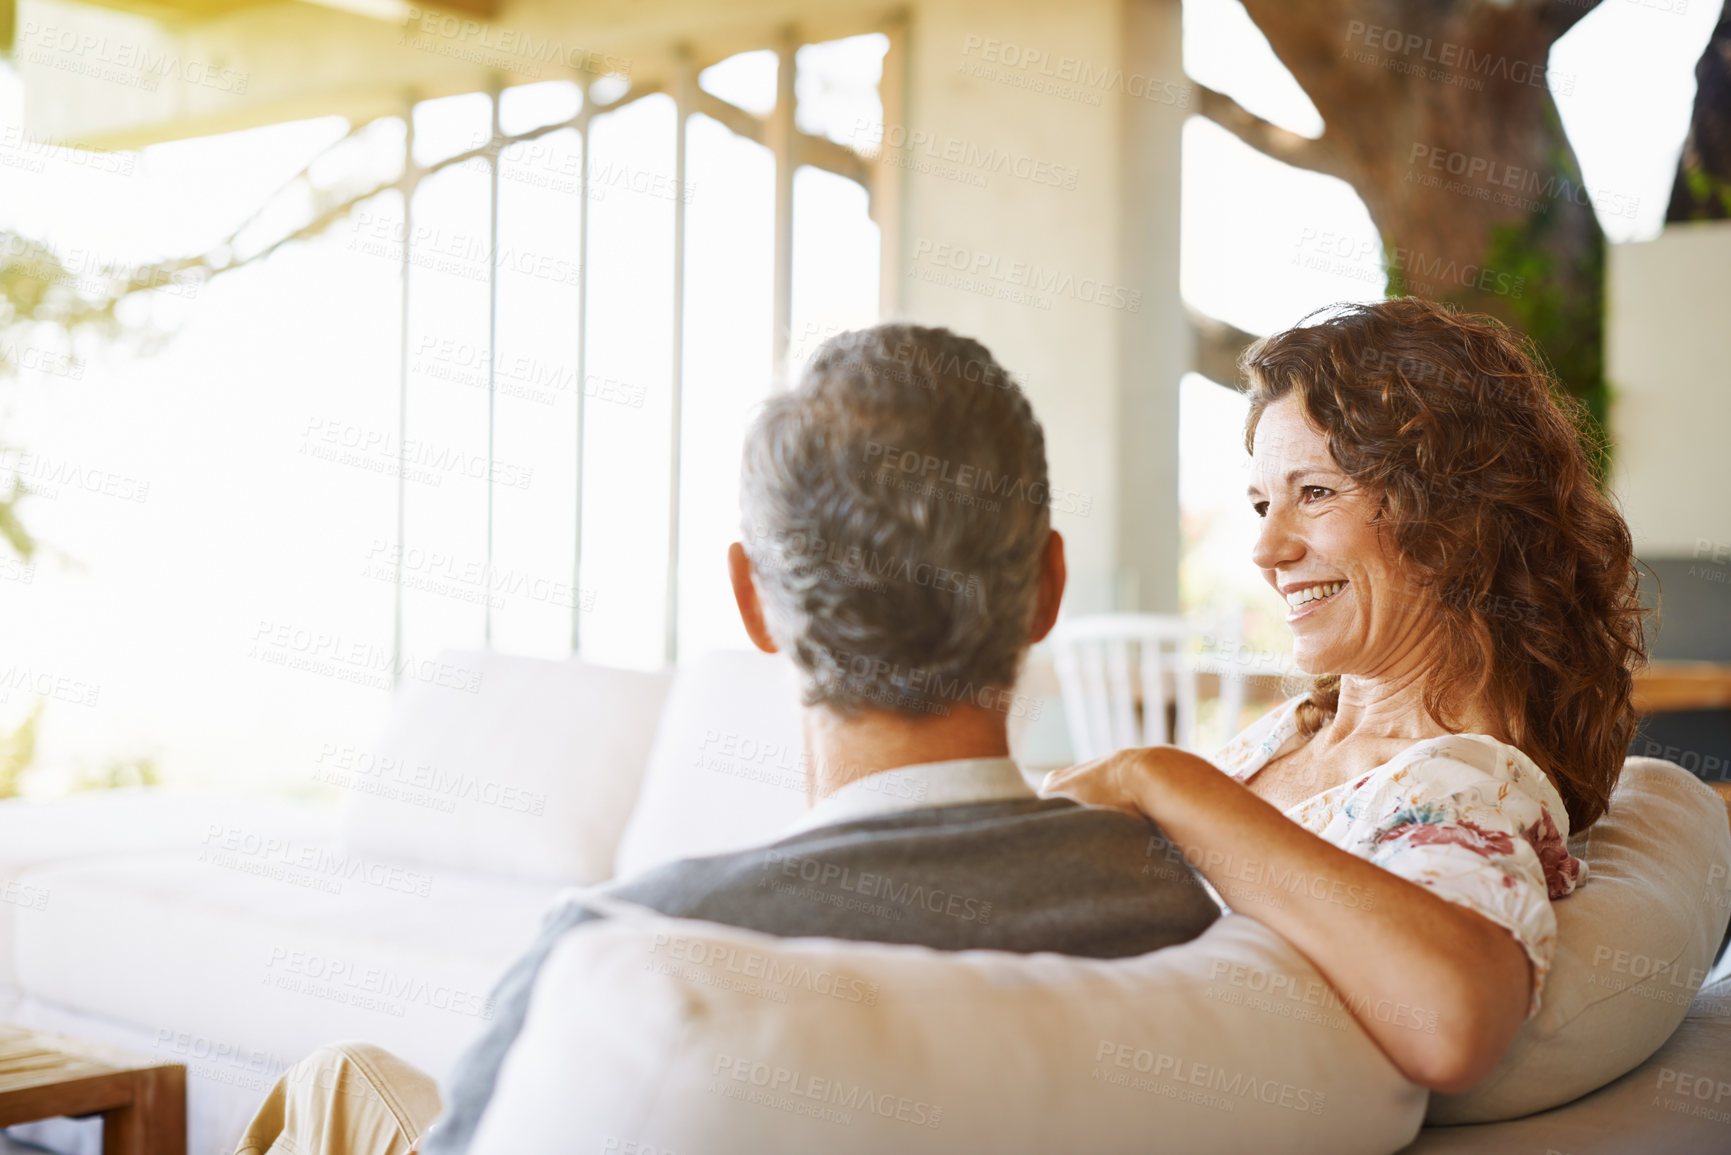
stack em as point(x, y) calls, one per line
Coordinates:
point(234, 935)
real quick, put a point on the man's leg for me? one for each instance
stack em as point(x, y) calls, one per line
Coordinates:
point(344, 1099)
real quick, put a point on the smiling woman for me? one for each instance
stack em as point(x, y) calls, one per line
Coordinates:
point(1465, 597)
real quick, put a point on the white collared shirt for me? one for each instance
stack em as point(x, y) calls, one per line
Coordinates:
point(954, 783)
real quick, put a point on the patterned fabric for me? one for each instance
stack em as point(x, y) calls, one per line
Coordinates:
point(1468, 816)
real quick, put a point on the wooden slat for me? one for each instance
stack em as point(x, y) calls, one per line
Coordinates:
point(1665, 686)
point(1724, 791)
point(142, 1100)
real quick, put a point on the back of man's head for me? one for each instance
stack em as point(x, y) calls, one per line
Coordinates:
point(894, 507)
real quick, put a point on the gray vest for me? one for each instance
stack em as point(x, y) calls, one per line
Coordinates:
point(1024, 875)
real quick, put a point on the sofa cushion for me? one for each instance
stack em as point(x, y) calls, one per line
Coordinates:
point(1677, 1102)
point(728, 766)
point(36, 833)
point(528, 772)
point(648, 1033)
point(1634, 944)
point(275, 947)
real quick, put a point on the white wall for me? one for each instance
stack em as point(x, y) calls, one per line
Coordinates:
point(1052, 83)
point(1668, 311)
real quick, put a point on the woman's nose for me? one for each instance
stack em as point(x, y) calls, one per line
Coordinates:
point(1276, 544)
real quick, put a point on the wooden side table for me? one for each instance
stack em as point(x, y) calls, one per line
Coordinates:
point(142, 1102)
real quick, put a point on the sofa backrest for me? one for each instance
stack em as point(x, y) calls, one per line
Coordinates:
point(648, 1033)
point(525, 768)
point(1634, 943)
point(728, 766)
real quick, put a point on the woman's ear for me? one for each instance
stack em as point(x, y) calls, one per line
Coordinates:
point(1053, 575)
point(745, 597)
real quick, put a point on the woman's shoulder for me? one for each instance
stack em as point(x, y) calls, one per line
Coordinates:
point(1476, 782)
point(1455, 761)
point(1258, 742)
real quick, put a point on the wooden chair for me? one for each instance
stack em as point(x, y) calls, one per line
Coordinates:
point(1132, 680)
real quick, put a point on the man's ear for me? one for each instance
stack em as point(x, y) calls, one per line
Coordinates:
point(745, 596)
point(1053, 575)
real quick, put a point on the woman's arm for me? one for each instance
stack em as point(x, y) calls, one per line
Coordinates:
point(1441, 988)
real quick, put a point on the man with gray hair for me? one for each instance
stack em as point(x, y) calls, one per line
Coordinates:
point(897, 545)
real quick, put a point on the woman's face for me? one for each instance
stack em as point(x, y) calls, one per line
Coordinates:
point(1349, 603)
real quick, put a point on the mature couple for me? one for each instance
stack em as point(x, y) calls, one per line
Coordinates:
point(1412, 471)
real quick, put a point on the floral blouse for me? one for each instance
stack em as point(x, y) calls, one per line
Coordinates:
point(1468, 816)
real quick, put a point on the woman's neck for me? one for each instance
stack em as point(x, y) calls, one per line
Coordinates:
point(1392, 708)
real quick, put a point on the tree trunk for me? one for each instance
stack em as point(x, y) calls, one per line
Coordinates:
point(1703, 188)
point(1440, 116)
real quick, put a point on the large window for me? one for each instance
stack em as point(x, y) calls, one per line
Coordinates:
point(536, 449)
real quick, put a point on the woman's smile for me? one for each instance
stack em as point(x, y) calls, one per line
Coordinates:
point(1306, 598)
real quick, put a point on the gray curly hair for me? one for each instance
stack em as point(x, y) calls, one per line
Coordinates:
point(895, 509)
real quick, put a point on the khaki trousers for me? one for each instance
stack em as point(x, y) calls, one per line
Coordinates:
point(344, 1099)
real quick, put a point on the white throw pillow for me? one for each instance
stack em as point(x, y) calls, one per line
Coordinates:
point(654, 1034)
point(728, 767)
point(530, 775)
point(1634, 945)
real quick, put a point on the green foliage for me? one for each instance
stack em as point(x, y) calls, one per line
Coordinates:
point(18, 751)
point(118, 773)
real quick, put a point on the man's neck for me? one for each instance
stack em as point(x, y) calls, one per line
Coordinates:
point(840, 750)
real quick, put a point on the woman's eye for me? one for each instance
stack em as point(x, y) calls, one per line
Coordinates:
point(1261, 508)
point(1313, 493)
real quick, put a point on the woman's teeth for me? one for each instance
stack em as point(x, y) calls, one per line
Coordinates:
point(1313, 593)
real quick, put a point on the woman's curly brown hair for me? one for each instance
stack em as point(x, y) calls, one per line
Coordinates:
point(1482, 463)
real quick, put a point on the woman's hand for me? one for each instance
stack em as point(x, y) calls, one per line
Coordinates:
point(1110, 781)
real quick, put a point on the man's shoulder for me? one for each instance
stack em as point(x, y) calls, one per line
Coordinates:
point(1045, 829)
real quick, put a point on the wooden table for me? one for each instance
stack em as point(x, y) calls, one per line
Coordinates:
point(1666, 686)
point(142, 1101)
